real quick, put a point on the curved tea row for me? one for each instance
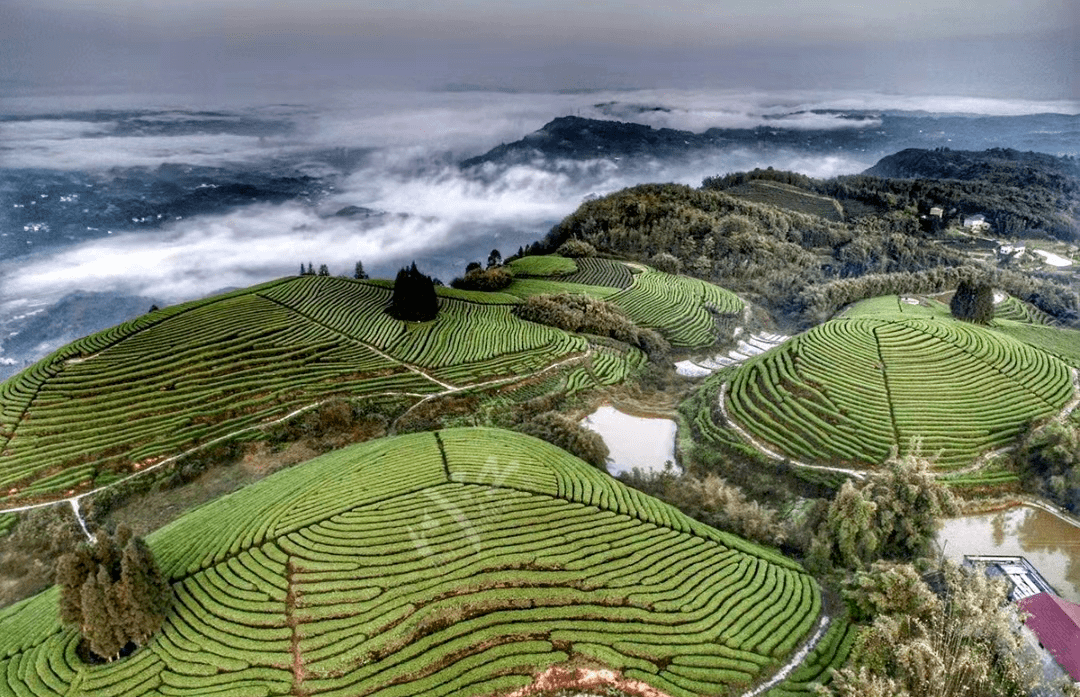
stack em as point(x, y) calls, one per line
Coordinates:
point(851, 389)
point(461, 562)
point(681, 308)
point(185, 375)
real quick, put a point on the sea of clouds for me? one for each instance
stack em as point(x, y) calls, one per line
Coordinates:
point(429, 209)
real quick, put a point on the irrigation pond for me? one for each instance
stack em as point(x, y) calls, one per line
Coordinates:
point(633, 441)
point(1050, 543)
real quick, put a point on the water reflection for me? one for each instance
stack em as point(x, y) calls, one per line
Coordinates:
point(633, 441)
point(1048, 542)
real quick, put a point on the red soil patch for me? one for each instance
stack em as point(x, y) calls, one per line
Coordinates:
point(559, 678)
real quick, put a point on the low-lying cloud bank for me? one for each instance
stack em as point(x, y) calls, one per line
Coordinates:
point(426, 207)
point(416, 215)
point(457, 123)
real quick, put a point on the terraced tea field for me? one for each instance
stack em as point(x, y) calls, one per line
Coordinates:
point(177, 378)
point(790, 197)
point(831, 652)
point(184, 375)
point(681, 308)
point(888, 372)
point(460, 562)
point(1013, 308)
point(589, 271)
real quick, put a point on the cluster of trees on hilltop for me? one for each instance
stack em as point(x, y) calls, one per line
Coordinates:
point(730, 181)
point(745, 246)
point(414, 298)
point(113, 591)
point(488, 279)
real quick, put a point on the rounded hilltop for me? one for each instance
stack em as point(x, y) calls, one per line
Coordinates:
point(896, 373)
point(455, 562)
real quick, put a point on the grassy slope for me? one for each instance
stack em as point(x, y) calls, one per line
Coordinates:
point(887, 372)
point(189, 373)
point(459, 562)
point(185, 375)
point(542, 265)
point(788, 197)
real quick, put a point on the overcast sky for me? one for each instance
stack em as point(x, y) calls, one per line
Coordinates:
point(1021, 48)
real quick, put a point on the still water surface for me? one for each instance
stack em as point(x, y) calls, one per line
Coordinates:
point(1049, 542)
point(633, 441)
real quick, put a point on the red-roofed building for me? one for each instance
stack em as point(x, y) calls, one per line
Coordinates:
point(1056, 623)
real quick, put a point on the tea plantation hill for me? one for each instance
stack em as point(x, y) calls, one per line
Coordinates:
point(895, 370)
point(456, 562)
point(177, 378)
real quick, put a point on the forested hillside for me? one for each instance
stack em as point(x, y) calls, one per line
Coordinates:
point(801, 267)
point(1017, 192)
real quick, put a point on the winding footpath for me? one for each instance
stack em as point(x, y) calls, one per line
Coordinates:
point(73, 501)
point(796, 659)
point(745, 435)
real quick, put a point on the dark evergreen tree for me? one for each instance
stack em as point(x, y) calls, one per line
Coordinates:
point(494, 259)
point(359, 273)
point(973, 301)
point(72, 570)
point(473, 266)
point(143, 592)
point(414, 298)
point(324, 270)
point(98, 627)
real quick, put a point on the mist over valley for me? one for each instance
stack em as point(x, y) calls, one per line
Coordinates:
point(152, 202)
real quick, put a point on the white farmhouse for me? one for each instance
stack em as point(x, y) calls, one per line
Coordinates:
point(977, 223)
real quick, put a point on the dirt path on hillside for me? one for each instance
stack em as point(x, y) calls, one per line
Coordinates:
point(73, 501)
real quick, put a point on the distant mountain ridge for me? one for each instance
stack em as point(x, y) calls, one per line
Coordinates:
point(576, 137)
point(869, 133)
point(997, 165)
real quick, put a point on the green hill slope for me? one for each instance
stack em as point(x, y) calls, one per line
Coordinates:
point(187, 374)
point(459, 562)
point(887, 372)
point(173, 379)
point(682, 308)
point(788, 197)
